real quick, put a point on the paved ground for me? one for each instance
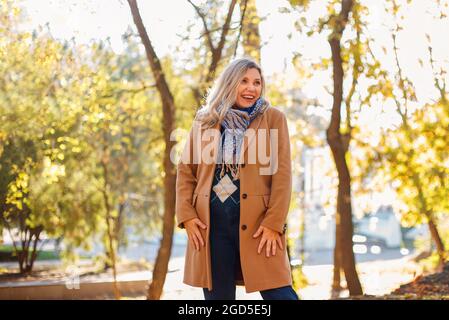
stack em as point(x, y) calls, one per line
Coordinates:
point(378, 277)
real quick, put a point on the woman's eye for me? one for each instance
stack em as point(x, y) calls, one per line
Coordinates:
point(244, 81)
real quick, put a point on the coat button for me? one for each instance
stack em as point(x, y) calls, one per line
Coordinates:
point(244, 196)
point(244, 227)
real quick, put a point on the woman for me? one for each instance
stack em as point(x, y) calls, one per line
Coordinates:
point(232, 205)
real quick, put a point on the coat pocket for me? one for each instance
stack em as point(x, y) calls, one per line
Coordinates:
point(194, 198)
point(266, 200)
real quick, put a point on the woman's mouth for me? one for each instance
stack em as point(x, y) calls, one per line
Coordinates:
point(248, 97)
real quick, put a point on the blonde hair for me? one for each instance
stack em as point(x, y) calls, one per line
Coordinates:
point(223, 94)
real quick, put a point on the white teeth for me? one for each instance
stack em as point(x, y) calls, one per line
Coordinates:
point(248, 97)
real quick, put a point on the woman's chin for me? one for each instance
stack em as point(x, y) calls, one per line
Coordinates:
point(244, 104)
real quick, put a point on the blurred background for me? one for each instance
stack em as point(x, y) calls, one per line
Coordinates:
point(97, 97)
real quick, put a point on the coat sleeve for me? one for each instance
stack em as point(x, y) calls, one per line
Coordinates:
point(186, 182)
point(281, 183)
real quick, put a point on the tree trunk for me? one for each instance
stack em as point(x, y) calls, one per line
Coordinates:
point(435, 235)
point(25, 257)
point(338, 267)
point(437, 239)
point(337, 144)
point(36, 232)
point(168, 114)
point(119, 231)
point(336, 282)
point(110, 227)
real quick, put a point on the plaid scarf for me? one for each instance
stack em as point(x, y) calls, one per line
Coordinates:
point(235, 124)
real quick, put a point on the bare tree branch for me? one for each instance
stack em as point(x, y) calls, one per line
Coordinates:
point(218, 52)
point(242, 17)
point(207, 32)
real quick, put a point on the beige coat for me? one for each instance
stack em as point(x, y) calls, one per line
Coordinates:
point(264, 200)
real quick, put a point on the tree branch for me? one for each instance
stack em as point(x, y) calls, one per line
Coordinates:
point(218, 52)
point(241, 26)
point(207, 32)
point(440, 87)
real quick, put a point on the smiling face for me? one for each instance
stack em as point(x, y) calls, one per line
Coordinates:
point(249, 89)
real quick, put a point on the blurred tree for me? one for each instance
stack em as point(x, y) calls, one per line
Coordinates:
point(339, 137)
point(168, 111)
point(79, 139)
point(413, 155)
point(35, 71)
point(115, 135)
point(339, 144)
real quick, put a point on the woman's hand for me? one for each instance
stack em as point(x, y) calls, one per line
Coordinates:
point(270, 238)
point(193, 232)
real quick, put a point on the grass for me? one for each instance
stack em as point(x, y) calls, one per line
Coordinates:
point(7, 254)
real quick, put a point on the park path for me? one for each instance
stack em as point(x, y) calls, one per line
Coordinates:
point(378, 277)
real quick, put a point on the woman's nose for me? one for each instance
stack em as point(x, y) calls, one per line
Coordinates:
point(251, 88)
